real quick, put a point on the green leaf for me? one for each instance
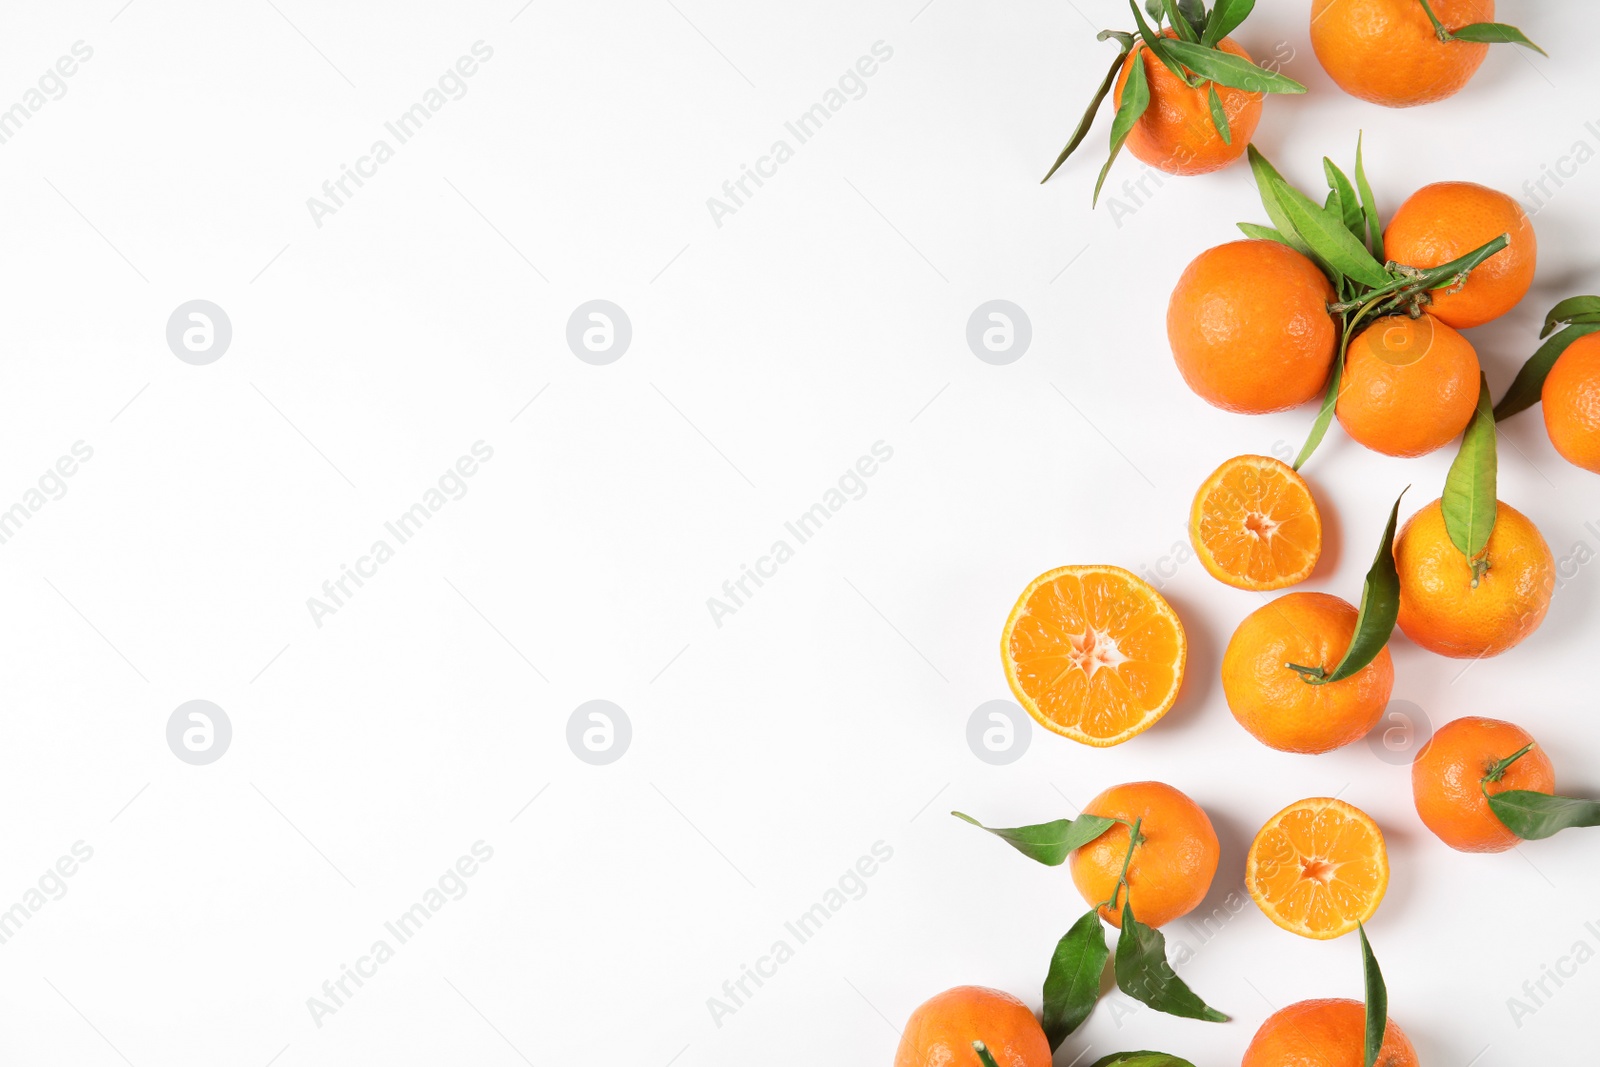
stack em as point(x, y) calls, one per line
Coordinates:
point(1262, 233)
point(1156, 8)
point(1350, 210)
point(1269, 184)
point(1495, 33)
point(1328, 238)
point(1469, 488)
point(1319, 427)
point(1219, 117)
point(1195, 12)
point(1380, 607)
point(1225, 68)
point(1226, 17)
point(1094, 108)
point(1534, 816)
point(1145, 975)
point(1157, 43)
point(1073, 983)
point(1574, 309)
point(1179, 22)
point(1050, 843)
point(1528, 385)
point(1135, 98)
point(1369, 207)
point(1377, 999)
point(1140, 1059)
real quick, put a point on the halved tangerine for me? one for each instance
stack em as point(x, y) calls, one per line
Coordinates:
point(1094, 653)
point(1255, 525)
point(1318, 868)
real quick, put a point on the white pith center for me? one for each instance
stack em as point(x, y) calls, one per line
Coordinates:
point(1093, 650)
point(1263, 526)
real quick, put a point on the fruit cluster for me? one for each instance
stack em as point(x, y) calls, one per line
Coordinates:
point(1322, 300)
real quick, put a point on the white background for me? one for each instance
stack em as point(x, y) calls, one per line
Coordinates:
point(768, 354)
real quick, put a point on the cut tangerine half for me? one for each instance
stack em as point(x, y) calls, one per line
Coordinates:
point(1255, 525)
point(1094, 653)
point(1318, 868)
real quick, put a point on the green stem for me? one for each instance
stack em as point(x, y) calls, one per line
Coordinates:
point(1134, 840)
point(1309, 675)
point(983, 1054)
point(1498, 769)
point(1438, 27)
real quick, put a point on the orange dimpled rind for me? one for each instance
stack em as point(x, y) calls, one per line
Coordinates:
point(1447, 781)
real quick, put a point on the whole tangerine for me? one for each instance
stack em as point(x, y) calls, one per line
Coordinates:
point(1275, 703)
point(1446, 220)
point(1173, 862)
point(1250, 327)
point(1176, 133)
point(1447, 781)
point(1386, 51)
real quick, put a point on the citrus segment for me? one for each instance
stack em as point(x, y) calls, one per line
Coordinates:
point(1255, 525)
point(1093, 653)
point(1318, 868)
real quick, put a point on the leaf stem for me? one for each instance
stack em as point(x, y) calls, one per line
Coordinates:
point(1439, 31)
point(1308, 673)
point(983, 1054)
point(1408, 289)
point(1497, 770)
point(1134, 840)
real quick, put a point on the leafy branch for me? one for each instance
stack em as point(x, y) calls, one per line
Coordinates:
point(1572, 318)
point(1480, 32)
point(1532, 815)
point(1191, 53)
point(1375, 618)
point(1072, 983)
point(1344, 237)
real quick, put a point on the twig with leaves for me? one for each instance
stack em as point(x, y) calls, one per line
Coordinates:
point(1190, 50)
point(1072, 984)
